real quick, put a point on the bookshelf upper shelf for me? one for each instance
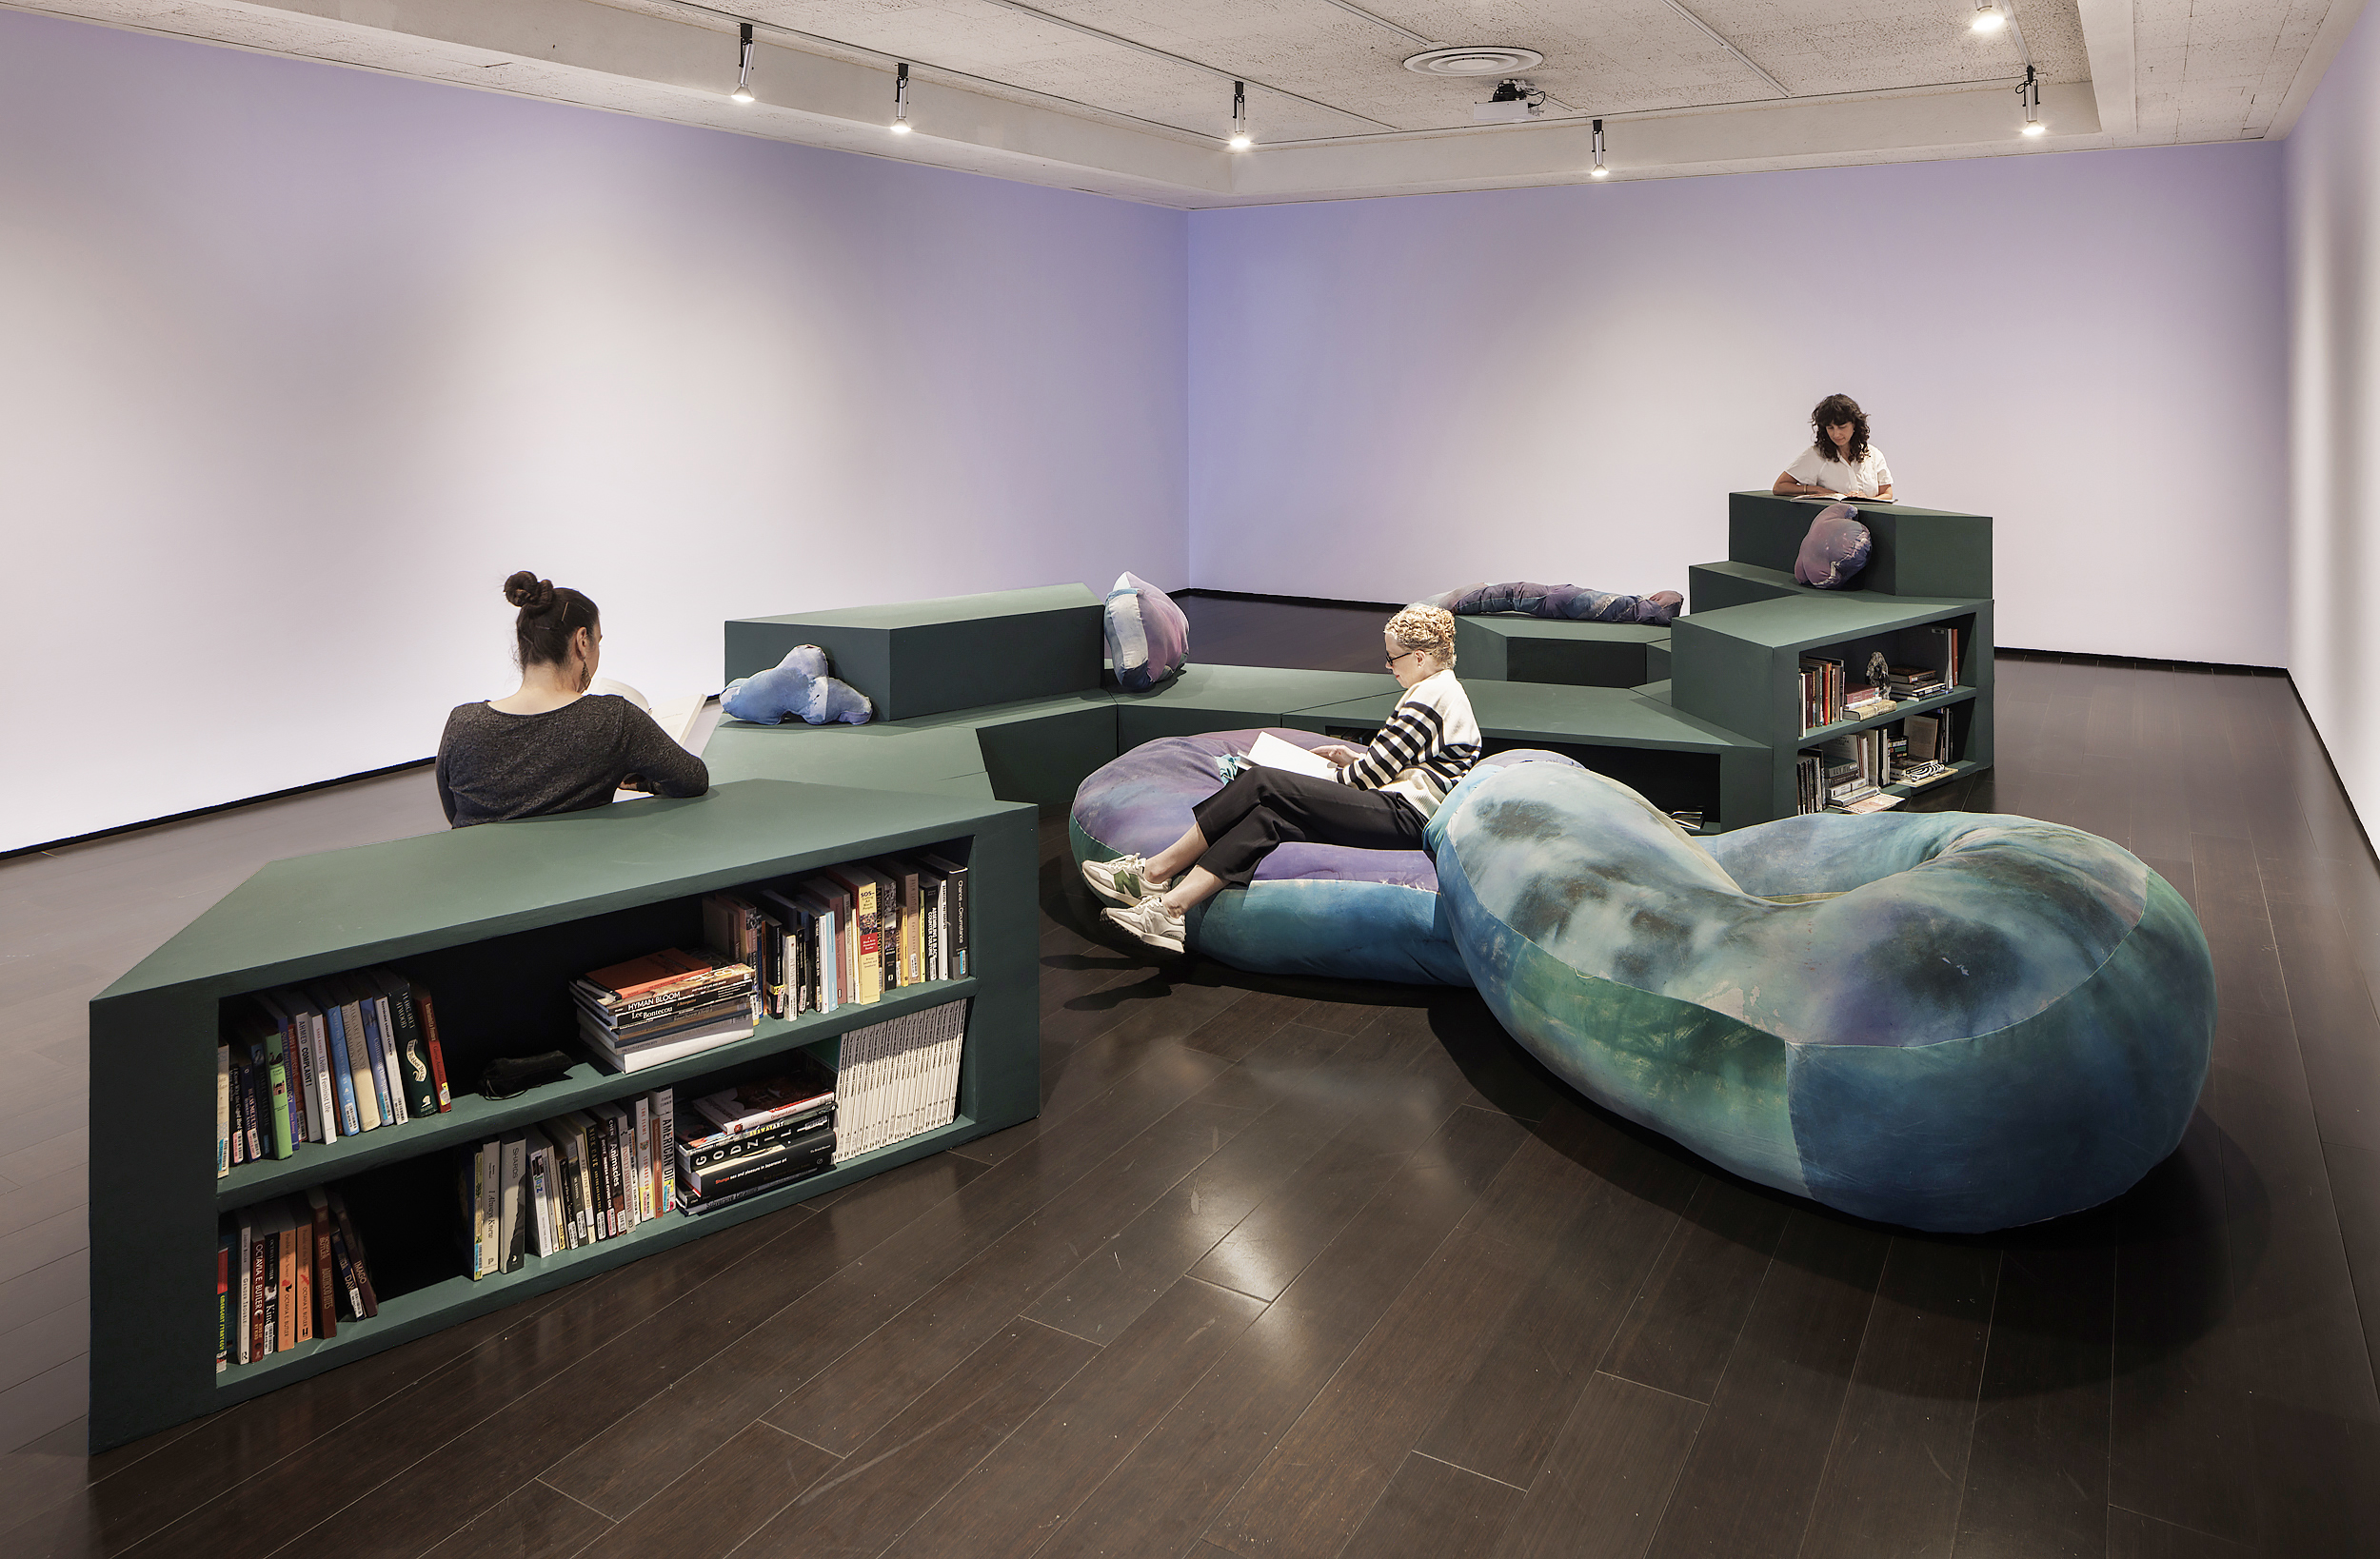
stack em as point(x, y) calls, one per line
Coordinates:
point(316, 914)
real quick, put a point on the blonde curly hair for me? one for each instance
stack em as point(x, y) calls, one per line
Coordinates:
point(1427, 629)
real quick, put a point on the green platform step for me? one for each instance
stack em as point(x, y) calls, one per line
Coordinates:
point(1510, 648)
point(928, 657)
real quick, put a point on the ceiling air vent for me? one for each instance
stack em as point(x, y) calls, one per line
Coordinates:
point(1475, 59)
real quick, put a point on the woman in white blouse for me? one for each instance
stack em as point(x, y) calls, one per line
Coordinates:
point(1839, 462)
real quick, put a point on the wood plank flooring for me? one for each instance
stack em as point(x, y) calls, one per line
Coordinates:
point(1308, 1270)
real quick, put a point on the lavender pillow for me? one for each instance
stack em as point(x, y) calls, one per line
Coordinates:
point(1148, 638)
point(1835, 550)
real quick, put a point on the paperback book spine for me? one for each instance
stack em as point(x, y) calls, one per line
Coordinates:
point(428, 1016)
point(421, 1088)
point(223, 1110)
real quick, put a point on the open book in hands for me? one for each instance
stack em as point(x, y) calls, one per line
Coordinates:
point(1274, 752)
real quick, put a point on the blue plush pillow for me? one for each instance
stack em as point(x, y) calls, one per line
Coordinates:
point(797, 686)
point(1148, 638)
point(1835, 550)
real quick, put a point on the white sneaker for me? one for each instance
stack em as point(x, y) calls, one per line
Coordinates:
point(1152, 922)
point(1122, 881)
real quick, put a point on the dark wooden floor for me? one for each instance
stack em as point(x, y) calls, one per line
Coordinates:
point(1311, 1270)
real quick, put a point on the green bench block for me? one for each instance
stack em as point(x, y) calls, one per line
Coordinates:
point(928, 656)
point(1206, 697)
point(1657, 660)
point(1033, 750)
point(1675, 758)
point(1712, 588)
point(1913, 551)
point(1512, 648)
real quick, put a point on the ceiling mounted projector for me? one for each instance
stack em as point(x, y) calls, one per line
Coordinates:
point(1475, 59)
point(1516, 102)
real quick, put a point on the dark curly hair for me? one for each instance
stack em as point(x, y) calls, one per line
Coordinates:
point(1832, 412)
point(548, 616)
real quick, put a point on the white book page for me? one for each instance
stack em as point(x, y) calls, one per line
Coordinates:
point(1274, 752)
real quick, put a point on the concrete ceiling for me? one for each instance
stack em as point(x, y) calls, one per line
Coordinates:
point(1131, 97)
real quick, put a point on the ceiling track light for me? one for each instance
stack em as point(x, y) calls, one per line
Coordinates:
point(1598, 170)
point(743, 70)
point(2030, 95)
point(900, 100)
point(1242, 136)
point(1987, 17)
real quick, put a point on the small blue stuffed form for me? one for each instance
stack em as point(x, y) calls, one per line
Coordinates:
point(797, 686)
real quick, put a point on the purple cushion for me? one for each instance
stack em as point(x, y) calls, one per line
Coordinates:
point(1835, 550)
point(1148, 638)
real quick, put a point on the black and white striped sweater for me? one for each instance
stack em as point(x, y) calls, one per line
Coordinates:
point(1426, 747)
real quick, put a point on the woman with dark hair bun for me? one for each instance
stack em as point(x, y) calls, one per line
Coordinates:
point(552, 746)
point(1840, 462)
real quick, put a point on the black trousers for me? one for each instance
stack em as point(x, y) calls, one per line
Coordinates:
point(1267, 807)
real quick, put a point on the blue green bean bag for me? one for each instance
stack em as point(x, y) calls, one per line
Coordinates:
point(1314, 909)
point(1950, 1021)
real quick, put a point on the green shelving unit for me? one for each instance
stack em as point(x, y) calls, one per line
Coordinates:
point(493, 921)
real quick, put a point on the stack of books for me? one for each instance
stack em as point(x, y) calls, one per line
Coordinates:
point(1915, 682)
point(1860, 701)
point(664, 1006)
point(332, 1058)
point(1846, 773)
point(848, 933)
point(288, 1272)
point(756, 1137)
point(575, 1180)
point(897, 1078)
point(1926, 753)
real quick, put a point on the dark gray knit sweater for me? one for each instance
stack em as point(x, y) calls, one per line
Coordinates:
point(493, 766)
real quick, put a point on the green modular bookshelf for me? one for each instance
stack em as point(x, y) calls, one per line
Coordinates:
point(492, 922)
point(1706, 714)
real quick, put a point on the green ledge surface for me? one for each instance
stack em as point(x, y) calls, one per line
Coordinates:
point(347, 909)
point(1545, 712)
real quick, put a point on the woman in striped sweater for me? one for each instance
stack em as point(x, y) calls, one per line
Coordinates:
point(1380, 798)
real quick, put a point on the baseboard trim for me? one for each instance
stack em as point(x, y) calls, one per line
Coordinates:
point(210, 811)
point(2075, 658)
point(1201, 590)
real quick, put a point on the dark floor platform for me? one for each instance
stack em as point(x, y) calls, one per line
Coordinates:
point(1311, 1270)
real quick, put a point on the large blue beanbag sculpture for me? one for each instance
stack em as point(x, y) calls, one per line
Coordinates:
point(1314, 909)
point(1950, 1021)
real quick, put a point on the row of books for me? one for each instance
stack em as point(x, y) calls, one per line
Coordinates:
point(898, 1077)
point(578, 1179)
point(1849, 773)
point(665, 1006)
point(848, 933)
point(288, 1272)
point(333, 1057)
point(1829, 696)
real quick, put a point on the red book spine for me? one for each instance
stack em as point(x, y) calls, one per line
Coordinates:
point(428, 1015)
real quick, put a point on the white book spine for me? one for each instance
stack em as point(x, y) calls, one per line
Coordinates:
point(665, 1148)
point(223, 1110)
point(392, 1060)
point(641, 1194)
point(541, 1225)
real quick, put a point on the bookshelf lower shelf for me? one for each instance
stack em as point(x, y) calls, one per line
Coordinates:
point(1898, 712)
point(475, 1119)
point(440, 1305)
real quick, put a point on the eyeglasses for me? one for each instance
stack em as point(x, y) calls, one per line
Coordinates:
point(1393, 658)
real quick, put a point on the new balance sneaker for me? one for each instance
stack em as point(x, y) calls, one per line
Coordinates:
point(1152, 922)
point(1124, 881)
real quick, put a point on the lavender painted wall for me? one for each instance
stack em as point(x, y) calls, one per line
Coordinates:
point(2333, 223)
point(1392, 397)
point(300, 362)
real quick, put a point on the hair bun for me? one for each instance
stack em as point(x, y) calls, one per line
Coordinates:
point(526, 591)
